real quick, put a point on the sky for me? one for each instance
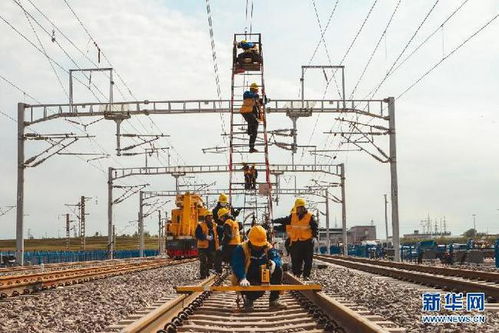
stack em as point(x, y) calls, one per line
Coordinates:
point(447, 124)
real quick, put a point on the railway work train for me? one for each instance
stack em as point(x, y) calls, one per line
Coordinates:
point(180, 239)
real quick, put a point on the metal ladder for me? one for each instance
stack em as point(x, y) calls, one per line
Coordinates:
point(239, 139)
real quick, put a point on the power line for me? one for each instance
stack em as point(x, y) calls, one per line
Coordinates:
point(19, 89)
point(373, 92)
point(347, 52)
point(448, 55)
point(70, 41)
point(45, 52)
point(429, 37)
point(41, 51)
point(26, 13)
point(375, 49)
point(117, 74)
point(215, 63)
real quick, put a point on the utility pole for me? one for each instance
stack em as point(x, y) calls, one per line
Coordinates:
point(160, 233)
point(474, 223)
point(328, 242)
point(141, 224)
point(110, 227)
point(394, 180)
point(20, 186)
point(343, 210)
point(82, 223)
point(386, 217)
point(68, 235)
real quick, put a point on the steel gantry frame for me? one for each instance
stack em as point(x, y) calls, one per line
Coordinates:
point(28, 115)
point(175, 171)
point(319, 191)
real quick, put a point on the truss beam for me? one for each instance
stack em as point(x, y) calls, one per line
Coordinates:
point(42, 112)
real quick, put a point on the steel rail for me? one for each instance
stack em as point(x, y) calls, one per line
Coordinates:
point(448, 271)
point(207, 311)
point(430, 279)
point(26, 283)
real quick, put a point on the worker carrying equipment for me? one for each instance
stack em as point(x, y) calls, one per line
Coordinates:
point(301, 229)
point(208, 244)
point(253, 176)
point(251, 112)
point(247, 176)
point(247, 261)
point(250, 59)
point(231, 234)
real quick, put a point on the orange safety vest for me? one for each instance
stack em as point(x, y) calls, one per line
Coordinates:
point(299, 230)
point(248, 104)
point(247, 259)
point(204, 244)
point(234, 226)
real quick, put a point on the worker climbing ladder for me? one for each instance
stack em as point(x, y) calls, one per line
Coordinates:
point(248, 75)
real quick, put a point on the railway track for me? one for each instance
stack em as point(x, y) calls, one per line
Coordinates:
point(439, 277)
point(14, 285)
point(209, 311)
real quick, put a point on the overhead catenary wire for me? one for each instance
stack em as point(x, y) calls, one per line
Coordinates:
point(41, 51)
point(120, 78)
point(374, 91)
point(215, 64)
point(345, 55)
point(416, 49)
point(375, 49)
point(448, 55)
point(46, 55)
point(323, 42)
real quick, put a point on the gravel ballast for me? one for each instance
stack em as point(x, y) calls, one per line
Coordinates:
point(394, 301)
point(92, 306)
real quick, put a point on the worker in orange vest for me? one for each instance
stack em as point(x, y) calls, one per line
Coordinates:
point(208, 244)
point(231, 234)
point(247, 176)
point(250, 110)
point(302, 230)
point(253, 176)
point(247, 262)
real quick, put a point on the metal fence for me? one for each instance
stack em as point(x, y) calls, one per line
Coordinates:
point(49, 257)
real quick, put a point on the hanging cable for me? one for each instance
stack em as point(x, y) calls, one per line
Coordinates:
point(215, 66)
point(448, 55)
point(373, 92)
point(375, 49)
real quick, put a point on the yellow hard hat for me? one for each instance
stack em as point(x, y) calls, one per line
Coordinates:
point(206, 212)
point(223, 198)
point(300, 203)
point(222, 212)
point(254, 86)
point(258, 236)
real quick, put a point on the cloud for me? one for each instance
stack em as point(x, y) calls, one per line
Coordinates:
point(446, 125)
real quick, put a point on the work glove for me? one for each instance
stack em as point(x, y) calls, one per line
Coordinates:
point(272, 266)
point(244, 283)
point(209, 237)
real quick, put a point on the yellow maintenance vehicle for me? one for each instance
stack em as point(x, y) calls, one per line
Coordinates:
point(180, 238)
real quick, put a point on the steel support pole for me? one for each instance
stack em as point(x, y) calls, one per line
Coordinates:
point(20, 186)
point(328, 242)
point(393, 177)
point(343, 210)
point(82, 223)
point(68, 235)
point(159, 232)
point(386, 217)
point(110, 212)
point(141, 224)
